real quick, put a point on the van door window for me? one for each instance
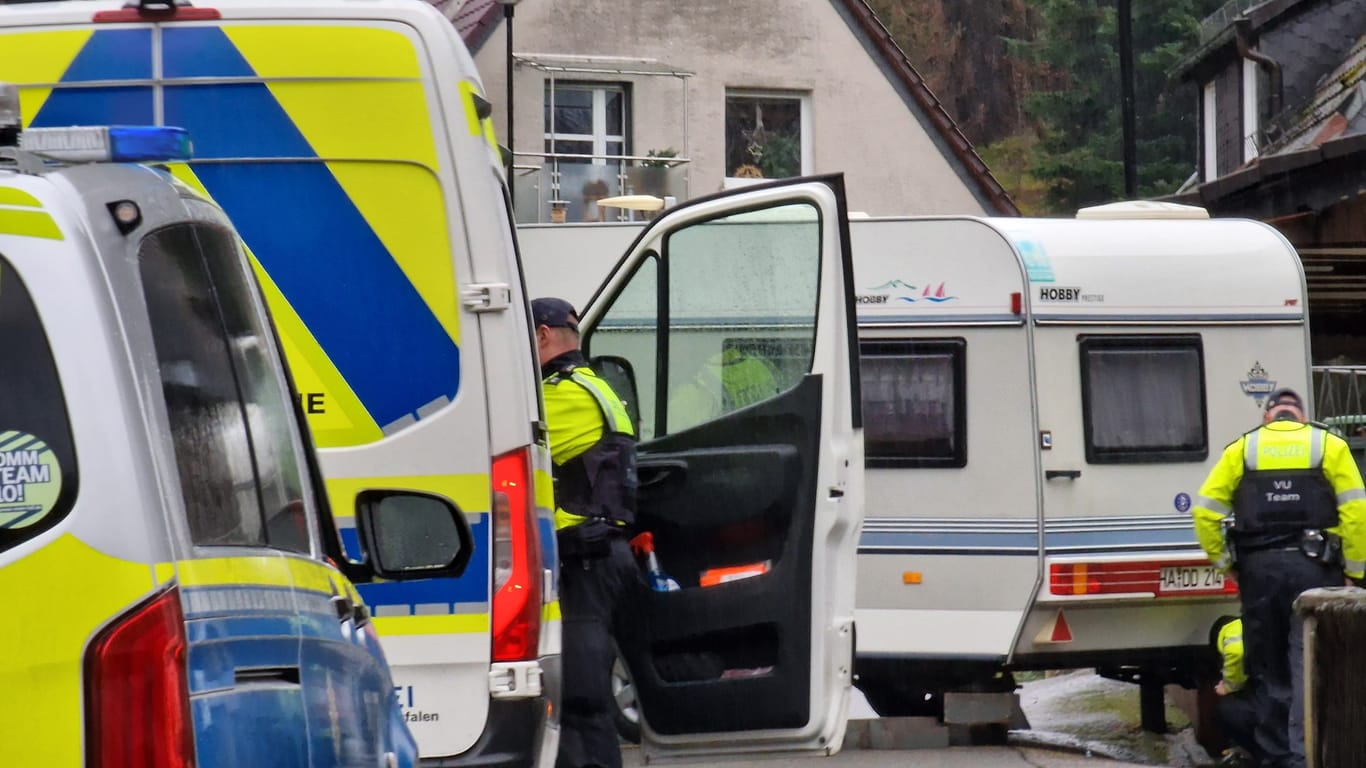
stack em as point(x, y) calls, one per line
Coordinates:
point(37, 457)
point(1143, 399)
point(237, 448)
point(741, 319)
point(914, 402)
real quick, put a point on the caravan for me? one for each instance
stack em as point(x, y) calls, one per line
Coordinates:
point(1043, 398)
point(350, 144)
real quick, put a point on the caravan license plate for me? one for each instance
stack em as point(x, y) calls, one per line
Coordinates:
point(1190, 578)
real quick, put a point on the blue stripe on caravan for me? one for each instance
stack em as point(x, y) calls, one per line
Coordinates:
point(1101, 540)
point(324, 256)
point(471, 587)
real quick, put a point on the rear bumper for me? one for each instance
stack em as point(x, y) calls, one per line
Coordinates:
point(519, 733)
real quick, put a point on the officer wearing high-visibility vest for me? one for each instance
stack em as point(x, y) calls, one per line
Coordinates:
point(727, 381)
point(1235, 710)
point(592, 445)
point(1284, 510)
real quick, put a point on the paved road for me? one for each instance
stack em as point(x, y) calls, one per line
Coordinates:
point(954, 757)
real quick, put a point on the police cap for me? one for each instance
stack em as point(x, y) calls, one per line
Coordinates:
point(1284, 396)
point(555, 313)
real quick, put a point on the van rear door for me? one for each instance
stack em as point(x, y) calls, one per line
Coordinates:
point(735, 313)
point(323, 135)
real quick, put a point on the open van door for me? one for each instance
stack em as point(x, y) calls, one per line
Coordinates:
point(730, 326)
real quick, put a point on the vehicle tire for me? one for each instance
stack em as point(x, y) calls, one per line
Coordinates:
point(627, 704)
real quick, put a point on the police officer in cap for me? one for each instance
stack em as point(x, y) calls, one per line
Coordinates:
point(592, 445)
point(1283, 511)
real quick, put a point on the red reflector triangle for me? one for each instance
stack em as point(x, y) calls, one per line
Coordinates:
point(1061, 632)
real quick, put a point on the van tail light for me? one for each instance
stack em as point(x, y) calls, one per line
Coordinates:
point(516, 560)
point(137, 695)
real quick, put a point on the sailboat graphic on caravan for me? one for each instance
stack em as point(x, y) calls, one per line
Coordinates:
point(1042, 399)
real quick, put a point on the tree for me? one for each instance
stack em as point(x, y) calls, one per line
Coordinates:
point(1079, 111)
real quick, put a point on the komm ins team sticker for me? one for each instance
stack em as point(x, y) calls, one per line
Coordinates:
point(30, 480)
point(1182, 502)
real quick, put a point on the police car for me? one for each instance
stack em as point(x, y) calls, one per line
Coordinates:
point(166, 556)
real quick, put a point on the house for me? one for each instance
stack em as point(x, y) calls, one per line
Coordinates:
point(679, 100)
point(1283, 140)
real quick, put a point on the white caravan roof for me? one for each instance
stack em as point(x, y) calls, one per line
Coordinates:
point(1193, 270)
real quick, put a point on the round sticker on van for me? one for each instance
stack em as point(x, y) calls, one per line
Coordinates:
point(30, 480)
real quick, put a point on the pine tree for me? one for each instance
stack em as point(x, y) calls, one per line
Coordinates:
point(1079, 113)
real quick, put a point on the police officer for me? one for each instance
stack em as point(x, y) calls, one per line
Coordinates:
point(1283, 510)
point(1234, 710)
point(592, 445)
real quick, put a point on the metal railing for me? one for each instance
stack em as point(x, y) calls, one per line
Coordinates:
point(1222, 19)
point(564, 188)
point(1340, 398)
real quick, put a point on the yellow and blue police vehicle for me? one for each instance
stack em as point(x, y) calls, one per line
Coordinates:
point(166, 551)
point(350, 143)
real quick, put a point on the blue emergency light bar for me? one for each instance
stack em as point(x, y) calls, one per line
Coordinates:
point(109, 144)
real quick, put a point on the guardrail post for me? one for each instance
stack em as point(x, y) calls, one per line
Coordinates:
point(1334, 626)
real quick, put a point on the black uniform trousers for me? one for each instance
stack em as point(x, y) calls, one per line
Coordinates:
point(1236, 715)
point(1273, 644)
point(596, 592)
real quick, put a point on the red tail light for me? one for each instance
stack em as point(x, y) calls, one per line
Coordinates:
point(516, 560)
point(136, 693)
point(156, 10)
point(1155, 578)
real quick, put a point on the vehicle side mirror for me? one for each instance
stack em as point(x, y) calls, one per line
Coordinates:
point(619, 375)
point(407, 535)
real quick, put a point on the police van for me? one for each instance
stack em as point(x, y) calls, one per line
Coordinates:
point(166, 555)
point(1043, 399)
point(349, 141)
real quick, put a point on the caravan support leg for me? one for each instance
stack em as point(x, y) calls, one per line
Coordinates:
point(1152, 707)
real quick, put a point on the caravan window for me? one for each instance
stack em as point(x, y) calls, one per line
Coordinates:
point(914, 403)
point(1143, 399)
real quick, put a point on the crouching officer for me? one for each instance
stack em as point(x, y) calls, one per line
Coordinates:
point(1235, 710)
point(593, 448)
point(1295, 498)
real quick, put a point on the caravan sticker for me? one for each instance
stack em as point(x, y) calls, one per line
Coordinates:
point(901, 292)
point(1036, 261)
point(30, 480)
point(1257, 386)
point(1182, 502)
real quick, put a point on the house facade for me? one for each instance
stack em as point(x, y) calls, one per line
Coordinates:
point(1283, 140)
point(678, 100)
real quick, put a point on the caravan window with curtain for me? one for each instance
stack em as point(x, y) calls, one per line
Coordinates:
point(1143, 399)
point(914, 402)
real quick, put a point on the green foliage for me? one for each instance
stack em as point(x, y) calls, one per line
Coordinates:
point(1011, 160)
point(781, 156)
point(1079, 111)
point(662, 154)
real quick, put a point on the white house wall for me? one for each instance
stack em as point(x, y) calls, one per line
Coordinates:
point(861, 123)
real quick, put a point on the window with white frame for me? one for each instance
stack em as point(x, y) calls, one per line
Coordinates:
point(586, 119)
point(767, 134)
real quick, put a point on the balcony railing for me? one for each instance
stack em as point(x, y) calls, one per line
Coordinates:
point(1340, 400)
point(565, 188)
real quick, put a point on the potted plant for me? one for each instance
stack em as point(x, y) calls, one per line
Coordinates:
point(651, 175)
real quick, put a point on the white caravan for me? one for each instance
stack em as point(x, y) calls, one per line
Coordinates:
point(1043, 398)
